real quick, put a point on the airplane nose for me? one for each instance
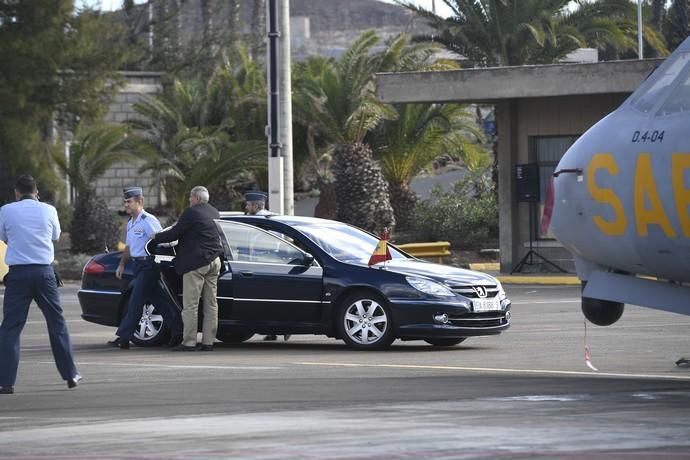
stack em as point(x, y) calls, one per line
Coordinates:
point(568, 186)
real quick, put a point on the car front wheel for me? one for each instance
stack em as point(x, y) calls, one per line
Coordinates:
point(365, 322)
point(444, 342)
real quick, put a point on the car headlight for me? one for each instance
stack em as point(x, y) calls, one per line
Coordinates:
point(429, 287)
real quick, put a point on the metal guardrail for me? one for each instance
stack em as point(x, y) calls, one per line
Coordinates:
point(439, 249)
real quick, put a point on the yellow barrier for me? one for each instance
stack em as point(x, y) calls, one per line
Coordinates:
point(438, 249)
point(3, 267)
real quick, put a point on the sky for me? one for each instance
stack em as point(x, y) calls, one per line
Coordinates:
point(441, 8)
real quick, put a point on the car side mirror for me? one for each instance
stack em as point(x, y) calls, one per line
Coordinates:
point(308, 259)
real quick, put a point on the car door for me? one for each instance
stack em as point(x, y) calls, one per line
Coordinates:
point(268, 280)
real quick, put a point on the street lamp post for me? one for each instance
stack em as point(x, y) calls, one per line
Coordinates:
point(279, 129)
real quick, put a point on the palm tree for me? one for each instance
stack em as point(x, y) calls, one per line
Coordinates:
point(93, 151)
point(518, 32)
point(178, 143)
point(421, 134)
point(676, 27)
point(336, 102)
point(237, 96)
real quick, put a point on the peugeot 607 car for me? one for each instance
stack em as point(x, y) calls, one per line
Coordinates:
point(302, 275)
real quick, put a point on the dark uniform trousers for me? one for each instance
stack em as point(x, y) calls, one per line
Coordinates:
point(23, 284)
point(146, 288)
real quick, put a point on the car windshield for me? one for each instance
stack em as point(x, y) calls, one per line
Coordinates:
point(345, 243)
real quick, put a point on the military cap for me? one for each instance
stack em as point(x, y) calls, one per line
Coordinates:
point(131, 192)
point(255, 196)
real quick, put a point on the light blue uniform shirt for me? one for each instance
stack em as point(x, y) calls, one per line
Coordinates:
point(140, 231)
point(29, 228)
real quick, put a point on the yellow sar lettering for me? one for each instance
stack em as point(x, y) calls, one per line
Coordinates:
point(648, 206)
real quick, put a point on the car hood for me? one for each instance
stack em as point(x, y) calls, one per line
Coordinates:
point(444, 273)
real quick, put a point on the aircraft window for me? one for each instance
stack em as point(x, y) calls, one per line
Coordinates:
point(647, 96)
point(678, 100)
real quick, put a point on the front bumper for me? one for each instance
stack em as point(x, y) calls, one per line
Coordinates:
point(419, 320)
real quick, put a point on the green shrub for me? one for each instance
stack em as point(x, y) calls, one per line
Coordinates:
point(467, 216)
point(94, 227)
point(65, 215)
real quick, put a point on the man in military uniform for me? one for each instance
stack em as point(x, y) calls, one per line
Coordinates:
point(255, 205)
point(29, 228)
point(141, 227)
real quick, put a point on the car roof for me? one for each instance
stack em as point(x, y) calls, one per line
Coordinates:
point(289, 220)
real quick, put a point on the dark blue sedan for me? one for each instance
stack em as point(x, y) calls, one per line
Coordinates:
point(301, 275)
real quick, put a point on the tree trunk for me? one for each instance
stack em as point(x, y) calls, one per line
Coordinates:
point(657, 14)
point(361, 191)
point(403, 200)
point(258, 30)
point(326, 207)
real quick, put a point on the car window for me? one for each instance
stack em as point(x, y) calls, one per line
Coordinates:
point(344, 242)
point(251, 244)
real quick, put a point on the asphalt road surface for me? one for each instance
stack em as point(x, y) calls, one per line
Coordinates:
point(526, 393)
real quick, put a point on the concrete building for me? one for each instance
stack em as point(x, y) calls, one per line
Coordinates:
point(109, 187)
point(540, 111)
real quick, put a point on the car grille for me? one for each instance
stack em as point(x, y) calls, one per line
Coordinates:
point(471, 291)
point(480, 320)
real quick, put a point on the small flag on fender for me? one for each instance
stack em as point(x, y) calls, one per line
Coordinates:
point(381, 252)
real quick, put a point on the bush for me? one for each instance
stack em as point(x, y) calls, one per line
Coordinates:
point(65, 215)
point(94, 227)
point(467, 216)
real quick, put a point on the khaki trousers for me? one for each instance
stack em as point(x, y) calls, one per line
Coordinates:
point(202, 282)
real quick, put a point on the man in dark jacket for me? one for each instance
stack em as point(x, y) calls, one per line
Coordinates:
point(198, 262)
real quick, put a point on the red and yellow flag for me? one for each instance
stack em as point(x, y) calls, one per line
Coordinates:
point(381, 252)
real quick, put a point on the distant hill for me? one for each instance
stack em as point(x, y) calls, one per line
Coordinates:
point(329, 15)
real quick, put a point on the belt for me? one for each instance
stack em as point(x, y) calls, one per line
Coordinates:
point(138, 259)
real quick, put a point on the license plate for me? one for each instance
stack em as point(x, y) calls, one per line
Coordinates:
point(486, 304)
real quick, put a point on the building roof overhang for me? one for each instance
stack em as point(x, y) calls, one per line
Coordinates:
point(495, 83)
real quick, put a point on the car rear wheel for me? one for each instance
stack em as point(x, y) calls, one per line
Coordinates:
point(234, 336)
point(365, 322)
point(151, 330)
point(444, 342)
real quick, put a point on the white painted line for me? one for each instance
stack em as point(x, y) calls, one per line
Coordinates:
point(499, 370)
point(67, 321)
point(169, 366)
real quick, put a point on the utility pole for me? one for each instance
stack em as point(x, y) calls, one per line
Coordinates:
point(279, 129)
point(640, 52)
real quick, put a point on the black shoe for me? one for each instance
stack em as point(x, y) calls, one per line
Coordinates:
point(206, 348)
point(8, 390)
point(119, 342)
point(182, 347)
point(270, 337)
point(74, 381)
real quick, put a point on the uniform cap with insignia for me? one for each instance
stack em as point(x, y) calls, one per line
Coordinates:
point(255, 196)
point(131, 192)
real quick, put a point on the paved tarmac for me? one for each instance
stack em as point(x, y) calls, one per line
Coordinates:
point(524, 394)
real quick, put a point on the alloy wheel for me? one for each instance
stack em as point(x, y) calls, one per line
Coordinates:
point(150, 324)
point(365, 321)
